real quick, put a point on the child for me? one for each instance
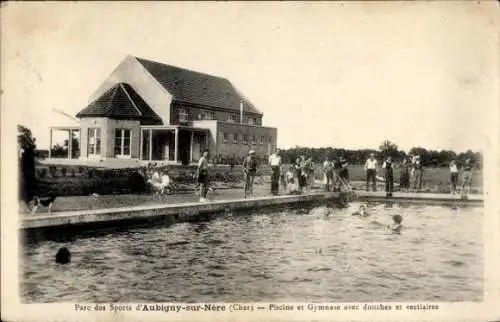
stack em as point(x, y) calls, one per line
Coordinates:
point(165, 183)
point(396, 225)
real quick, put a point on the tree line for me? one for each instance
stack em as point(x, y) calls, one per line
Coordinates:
point(429, 158)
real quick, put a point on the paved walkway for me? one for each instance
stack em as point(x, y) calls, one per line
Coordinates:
point(75, 203)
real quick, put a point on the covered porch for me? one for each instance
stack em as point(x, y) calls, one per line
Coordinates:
point(173, 144)
point(70, 148)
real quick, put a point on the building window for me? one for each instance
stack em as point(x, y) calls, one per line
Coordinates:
point(122, 142)
point(251, 120)
point(235, 138)
point(183, 115)
point(225, 137)
point(270, 139)
point(254, 139)
point(232, 118)
point(262, 139)
point(245, 138)
point(209, 115)
point(94, 143)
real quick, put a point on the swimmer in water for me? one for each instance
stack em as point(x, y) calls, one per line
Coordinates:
point(396, 225)
point(361, 211)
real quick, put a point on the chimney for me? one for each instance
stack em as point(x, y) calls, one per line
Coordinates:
point(241, 112)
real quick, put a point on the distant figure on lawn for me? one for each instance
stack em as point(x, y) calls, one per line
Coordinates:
point(232, 162)
point(275, 163)
point(453, 177)
point(388, 176)
point(203, 176)
point(417, 173)
point(249, 172)
point(371, 172)
point(404, 179)
point(466, 177)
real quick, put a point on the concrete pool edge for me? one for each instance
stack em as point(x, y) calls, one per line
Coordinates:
point(194, 211)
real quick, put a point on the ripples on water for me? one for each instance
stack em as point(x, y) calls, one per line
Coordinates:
point(286, 255)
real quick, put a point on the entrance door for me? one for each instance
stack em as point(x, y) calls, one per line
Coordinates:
point(196, 147)
point(94, 143)
point(184, 147)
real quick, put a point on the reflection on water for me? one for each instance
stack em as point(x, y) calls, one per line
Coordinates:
point(287, 255)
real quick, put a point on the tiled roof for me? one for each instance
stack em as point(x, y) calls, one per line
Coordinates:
point(197, 88)
point(121, 102)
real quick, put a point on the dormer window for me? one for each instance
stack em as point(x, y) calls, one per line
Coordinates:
point(183, 115)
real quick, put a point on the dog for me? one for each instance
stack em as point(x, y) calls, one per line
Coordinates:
point(44, 202)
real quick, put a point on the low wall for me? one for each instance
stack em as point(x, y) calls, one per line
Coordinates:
point(73, 180)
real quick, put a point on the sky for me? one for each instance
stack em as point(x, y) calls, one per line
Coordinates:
point(346, 75)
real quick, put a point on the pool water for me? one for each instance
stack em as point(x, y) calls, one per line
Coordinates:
point(271, 255)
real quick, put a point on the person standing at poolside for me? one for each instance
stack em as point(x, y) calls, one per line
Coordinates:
point(466, 177)
point(298, 171)
point(418, 173)
point(371, 172)
point(275, 163)
point(203, 176)
point(309, 172)
point(328, 168)
point(249, 171)
point(453, 177)
point(389, 177)
point(283, 180)
point(303, 176)
point(404, 179)
point(344, 171)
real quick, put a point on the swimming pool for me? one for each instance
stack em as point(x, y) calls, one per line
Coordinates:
point(274, 255)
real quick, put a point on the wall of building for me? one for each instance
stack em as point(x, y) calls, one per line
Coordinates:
point(92, 122)
point(135, 136)
point(196, 112)
point(130, 71)
point(211, 126)
point(265, 139)
point(108, 127)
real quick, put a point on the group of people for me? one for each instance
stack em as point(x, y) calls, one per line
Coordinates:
point(336, 173)
point(158, 180)
point(412, 169)
point(300, 175)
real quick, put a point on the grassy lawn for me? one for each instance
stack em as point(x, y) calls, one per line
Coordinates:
point(75, 180)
